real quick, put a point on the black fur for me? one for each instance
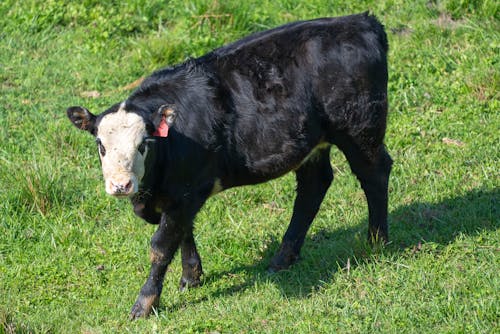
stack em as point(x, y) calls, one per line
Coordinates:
point(254, 110)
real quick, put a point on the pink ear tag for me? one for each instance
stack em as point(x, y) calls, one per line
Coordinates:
point(162, 130)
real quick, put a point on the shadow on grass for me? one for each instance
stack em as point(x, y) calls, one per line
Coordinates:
point(327, 251)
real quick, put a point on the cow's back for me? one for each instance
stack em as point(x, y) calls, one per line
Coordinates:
point(289, 89)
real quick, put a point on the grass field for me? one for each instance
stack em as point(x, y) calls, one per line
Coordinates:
point(72, 259)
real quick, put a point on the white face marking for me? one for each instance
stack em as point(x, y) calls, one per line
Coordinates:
point(121, 133)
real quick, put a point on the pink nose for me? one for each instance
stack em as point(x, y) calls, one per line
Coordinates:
point(121, 188)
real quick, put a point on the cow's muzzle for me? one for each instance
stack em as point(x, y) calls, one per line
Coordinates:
point(121, 188)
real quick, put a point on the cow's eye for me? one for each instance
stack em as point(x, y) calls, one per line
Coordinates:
point(100, 146)
point(142, 148)
point(146, 143)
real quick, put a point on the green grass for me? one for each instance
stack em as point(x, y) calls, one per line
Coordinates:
point(72, 259)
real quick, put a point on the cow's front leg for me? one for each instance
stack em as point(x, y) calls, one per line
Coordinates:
point(164, 244)
point(191, 262)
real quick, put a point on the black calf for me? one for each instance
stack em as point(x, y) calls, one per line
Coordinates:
point(243, 114)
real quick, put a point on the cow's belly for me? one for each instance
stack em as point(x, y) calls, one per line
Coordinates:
point(259, 169)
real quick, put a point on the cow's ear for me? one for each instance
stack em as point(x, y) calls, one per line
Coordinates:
point(167, 112)
point(163, 119)
point(82, 118)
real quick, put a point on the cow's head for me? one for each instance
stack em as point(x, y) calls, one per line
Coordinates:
point(124, 136)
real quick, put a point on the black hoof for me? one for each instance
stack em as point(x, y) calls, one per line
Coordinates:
point(144, 306)
point(376, 237)
point(186, 283)
point(282, 260)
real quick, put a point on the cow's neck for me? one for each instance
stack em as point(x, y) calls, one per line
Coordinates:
point(153, 177)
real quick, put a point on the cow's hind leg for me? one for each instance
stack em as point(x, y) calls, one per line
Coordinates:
point(314, 177)
point(191, 262)
point(372, 168)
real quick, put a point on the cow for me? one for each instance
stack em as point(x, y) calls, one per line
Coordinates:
point(243, 114)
